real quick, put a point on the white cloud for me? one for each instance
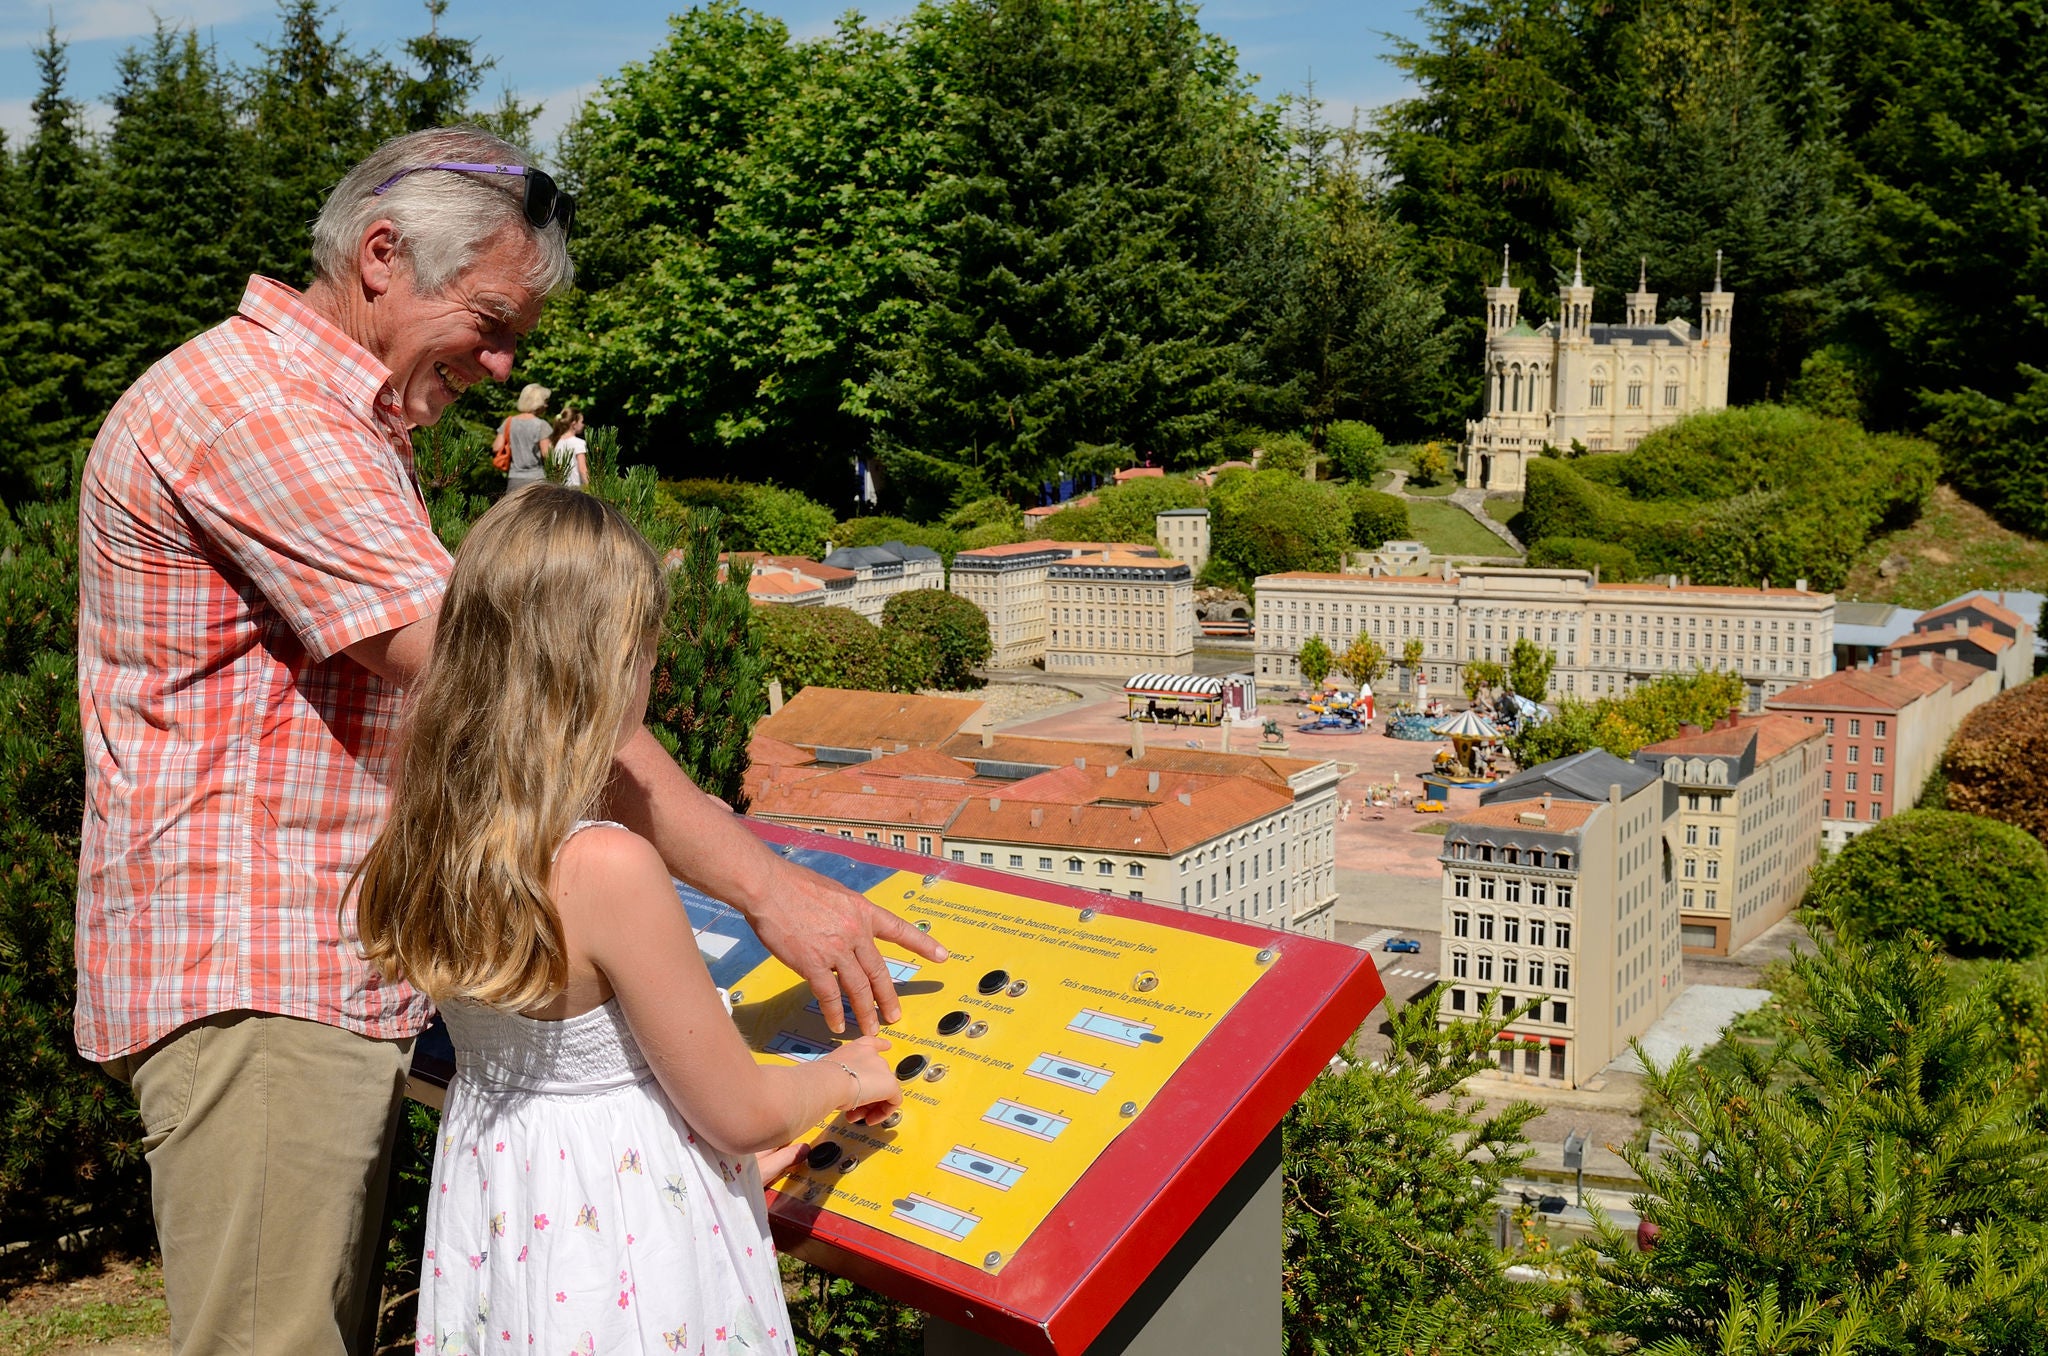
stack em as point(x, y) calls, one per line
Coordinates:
point(20, 122)
point(557, 107)
point(24, 22)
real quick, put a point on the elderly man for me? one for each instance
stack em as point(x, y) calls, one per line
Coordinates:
point(258, 582)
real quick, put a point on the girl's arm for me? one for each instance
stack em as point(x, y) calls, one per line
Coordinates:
point(620, 915)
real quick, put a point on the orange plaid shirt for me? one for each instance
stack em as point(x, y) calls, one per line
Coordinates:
point(249, 510)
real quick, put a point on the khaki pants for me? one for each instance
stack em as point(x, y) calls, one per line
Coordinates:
point(269, 1142)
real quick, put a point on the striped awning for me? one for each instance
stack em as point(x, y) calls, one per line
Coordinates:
point(1173, 685)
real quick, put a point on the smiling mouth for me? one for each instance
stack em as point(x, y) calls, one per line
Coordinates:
point(455, 384)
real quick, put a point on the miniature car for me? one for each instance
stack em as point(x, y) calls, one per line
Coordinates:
point(1404, 944)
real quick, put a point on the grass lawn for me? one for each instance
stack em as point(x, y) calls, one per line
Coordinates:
point(1448, 530)
point(1503, 508)
point(60, 1313)
point(1402, 455)
point(1955, 547)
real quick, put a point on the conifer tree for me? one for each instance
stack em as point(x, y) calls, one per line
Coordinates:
point(167, 263)
point(51, 339)
point(1076, 294)
point(312, 109)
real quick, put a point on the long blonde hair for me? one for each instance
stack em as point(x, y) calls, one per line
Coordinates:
point(554, 603)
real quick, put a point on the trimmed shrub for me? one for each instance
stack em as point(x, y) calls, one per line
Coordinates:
point(1356, 449)
point(764, 518)
point(822, 646)
point(1977, 886)
point(1375, 517)
point(1127, 512)
point(1266, 522)
point(1996, 765)
point(1615, 563)
point(1737, 496)
point(1289, 452)
point(948, 631)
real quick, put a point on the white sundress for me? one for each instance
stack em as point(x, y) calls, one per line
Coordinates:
point(573, 1211)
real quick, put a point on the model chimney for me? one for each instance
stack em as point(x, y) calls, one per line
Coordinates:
point(1137, 740)
point(995, 803)
point(1110, 771)
point(1895, 666)
point(1186, 799)
point(774, 695)
point(1037, 816)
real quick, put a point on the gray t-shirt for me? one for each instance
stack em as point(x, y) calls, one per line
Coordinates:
point(526, 433)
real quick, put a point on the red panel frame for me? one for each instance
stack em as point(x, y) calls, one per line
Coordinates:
point(1083, 1264)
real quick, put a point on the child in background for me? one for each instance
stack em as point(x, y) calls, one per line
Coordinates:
point(595, 1187)
point(571, 453)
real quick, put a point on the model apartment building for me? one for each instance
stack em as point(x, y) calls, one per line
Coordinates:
point(1554, 889)
point(1743, 804)
point(1607, 637)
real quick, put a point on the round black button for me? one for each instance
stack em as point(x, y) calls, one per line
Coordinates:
point(952, 1022)
point(823, 1156)
point(910, 1067)
point(994, 981)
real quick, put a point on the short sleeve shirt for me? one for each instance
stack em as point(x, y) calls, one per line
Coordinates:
point(248, 511)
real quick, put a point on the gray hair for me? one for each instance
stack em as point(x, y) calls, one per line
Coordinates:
point(444, 220)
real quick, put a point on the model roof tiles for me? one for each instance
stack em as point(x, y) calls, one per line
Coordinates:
point(1981, 636)
point(1559, 816)
point(1773, 735)
point(1162, 829)
point(1877, 689)
point(820, 717)
point(1980, 603)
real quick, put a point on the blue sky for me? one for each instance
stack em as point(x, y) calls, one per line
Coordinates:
point(556, 53)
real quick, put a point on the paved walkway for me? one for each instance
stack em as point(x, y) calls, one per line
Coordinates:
point(1474, 502)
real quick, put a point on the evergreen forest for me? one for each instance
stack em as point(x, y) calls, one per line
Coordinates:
point(1005, 241)
point(1006, 245)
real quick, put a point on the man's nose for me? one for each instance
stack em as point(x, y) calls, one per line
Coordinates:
point(498, 362)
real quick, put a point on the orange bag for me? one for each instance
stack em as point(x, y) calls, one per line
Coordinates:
point(501, 450)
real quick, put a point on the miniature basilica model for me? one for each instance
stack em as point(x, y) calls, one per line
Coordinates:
point(1603, 386)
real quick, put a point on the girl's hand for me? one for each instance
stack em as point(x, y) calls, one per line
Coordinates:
point(878, 1092)
point(775, 1162)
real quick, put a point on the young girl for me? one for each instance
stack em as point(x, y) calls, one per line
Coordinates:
point(571, 453)
point(595, 1188)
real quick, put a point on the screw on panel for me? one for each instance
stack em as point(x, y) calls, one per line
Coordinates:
point(736, 996)
point(991, 1259)
point(1087, 915)
point(978, 1029)
point(1017, 988)
point(1127, 1110)
point(929, 879)
point(1146, 981)
point(1265, 956)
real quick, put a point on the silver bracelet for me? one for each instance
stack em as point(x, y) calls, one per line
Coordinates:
point(854, 1076)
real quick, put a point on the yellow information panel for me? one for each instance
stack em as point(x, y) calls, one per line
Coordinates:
point(1021, 1058)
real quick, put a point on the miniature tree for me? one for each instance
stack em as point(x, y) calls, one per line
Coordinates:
point(1364, 660)
point(1315, 660)
point(1529, 669)
point(1481, 675)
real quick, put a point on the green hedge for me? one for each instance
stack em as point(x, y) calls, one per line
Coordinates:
point(1737, 496)
point(1614, 562)
point(1977, 886)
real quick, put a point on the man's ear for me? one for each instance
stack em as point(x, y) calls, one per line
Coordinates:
point(377, 257)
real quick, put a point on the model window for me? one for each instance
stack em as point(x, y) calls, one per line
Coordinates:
point(1538, 891)
point(1511, 891)
point(1460, 963)
point(1486, 887)
point(1486, 967)
point(1560, 975)
point(1511, 929)
point(1485, 927)
point(1135, 869)
point(1510, 969)
point(1564, 937)
point(1461, 925)
point(1073, 866)
point(1536, 930)
point(1461, 887)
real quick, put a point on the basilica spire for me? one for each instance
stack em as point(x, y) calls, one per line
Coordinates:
point(1504, 264)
